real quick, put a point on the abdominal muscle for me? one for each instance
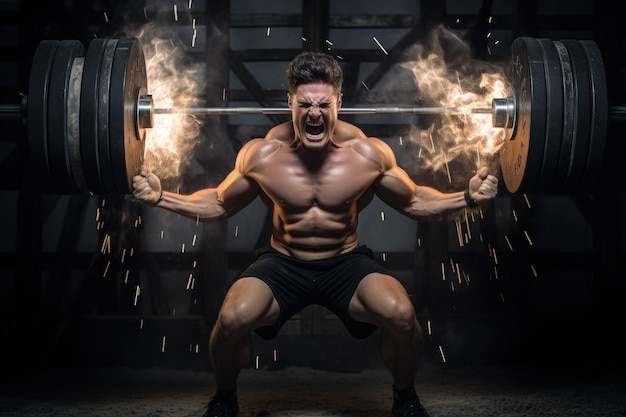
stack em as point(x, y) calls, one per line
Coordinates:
point(314, 234)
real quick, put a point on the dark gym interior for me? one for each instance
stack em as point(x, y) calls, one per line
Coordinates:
point(87, 280)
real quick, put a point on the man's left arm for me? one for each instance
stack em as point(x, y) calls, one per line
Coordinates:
point(396, 189)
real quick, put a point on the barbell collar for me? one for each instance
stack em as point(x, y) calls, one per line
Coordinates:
point(145, 111)
point(503, 112)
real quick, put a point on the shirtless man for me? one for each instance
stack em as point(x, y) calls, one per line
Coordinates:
point(316, 173)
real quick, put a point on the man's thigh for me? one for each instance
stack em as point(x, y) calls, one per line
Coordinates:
point(251, 301)
point(377, 298)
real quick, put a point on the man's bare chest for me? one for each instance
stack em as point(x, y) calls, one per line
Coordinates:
point(332, 184)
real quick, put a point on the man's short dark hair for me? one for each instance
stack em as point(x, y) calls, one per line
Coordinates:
point(309, 67)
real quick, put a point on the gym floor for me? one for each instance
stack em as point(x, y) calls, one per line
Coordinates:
point(468, 390)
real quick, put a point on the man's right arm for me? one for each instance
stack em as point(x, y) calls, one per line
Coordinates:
point(235, 192)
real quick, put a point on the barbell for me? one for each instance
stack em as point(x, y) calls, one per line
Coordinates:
point(87, 111)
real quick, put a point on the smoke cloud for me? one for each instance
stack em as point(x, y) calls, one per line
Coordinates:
point(446, 75)
point(178, 76)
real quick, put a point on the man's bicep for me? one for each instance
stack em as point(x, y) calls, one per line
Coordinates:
point(236, 191)
point(395, 188)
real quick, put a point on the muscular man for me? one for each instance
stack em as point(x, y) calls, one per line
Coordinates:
point(316, 173)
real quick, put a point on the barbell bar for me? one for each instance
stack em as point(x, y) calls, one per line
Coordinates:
point(87, 111)
point(210, 111)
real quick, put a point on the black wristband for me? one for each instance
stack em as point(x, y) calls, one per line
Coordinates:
point(159, 200)
point(471, 203)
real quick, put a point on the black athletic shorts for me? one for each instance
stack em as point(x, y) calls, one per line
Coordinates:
point(330, 282)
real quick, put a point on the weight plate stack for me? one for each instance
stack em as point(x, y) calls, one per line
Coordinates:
point(104, 122)
point(127, 141)
point(582, 116)
point(58, 144)
point(521, 156)
point(599, 113)
point(89, 94)
point(554, 114)
point(73, 124)
point(37, 113)
point(558, 140)
point(567, 138)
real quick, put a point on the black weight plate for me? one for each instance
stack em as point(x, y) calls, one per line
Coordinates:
point(599, 113)
point(104, 124)
point(89, 115)
point(127, 145)
point(582, 115)
point(37, 113)
point(554, 114)
point(521, 156)
point(73, 124)
point(58, 145)
point(569, 103)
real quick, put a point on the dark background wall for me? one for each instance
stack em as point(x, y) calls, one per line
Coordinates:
point(98, 279)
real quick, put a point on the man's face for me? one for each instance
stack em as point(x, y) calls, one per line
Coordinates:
point(314, 110)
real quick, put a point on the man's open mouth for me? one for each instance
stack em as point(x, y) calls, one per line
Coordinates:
point(315, 130)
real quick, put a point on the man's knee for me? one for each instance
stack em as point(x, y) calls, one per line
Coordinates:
point(231, 319)
point(402, 317)
point(248, 305)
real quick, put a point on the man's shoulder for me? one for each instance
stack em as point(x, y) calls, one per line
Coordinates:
point(282, 133)
point(353, 137)
point(346, 132)
point(371, 148)
point(258, 152)
point(260, 148)
point(349, 134)
point(277, 137)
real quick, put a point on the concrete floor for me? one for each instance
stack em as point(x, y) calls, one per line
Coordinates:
point(468, 390)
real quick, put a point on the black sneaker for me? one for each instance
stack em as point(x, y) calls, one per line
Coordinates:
point(224, 404)
point(406, 403)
